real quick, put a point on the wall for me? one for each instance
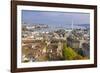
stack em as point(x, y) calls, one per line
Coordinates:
point(5, 36)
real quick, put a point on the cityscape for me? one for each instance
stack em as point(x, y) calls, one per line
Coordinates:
point(47, 40)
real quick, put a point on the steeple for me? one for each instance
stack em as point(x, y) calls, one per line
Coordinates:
point(72, 24)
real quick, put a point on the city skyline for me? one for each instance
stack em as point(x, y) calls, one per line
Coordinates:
point(55, 36)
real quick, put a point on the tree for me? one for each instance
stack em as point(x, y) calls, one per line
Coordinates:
point(70, 54)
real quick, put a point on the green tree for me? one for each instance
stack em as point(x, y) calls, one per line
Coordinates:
point(70, 54)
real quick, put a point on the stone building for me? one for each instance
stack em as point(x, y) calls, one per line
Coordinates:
point(55, 50)
point(86, 49)
point(73, 43)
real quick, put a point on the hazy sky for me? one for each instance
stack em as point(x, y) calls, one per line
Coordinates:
point(54, 18)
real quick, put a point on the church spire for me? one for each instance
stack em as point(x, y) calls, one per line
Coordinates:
point(72, 24)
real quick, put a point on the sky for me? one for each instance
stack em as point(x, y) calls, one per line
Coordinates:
point(54, 18)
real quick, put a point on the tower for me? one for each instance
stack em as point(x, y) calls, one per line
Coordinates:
point(72, 24)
